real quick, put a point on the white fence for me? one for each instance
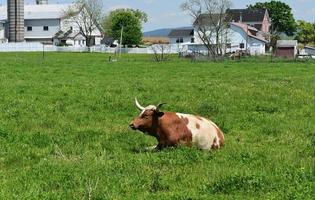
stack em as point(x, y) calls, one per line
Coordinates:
point(35, 46)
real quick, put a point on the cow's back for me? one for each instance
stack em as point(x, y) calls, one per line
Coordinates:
point(205, 133)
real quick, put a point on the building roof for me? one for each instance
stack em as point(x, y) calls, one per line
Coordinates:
point(44, 11)
point(308, 47)
point(244, 26)
point(234, 15)
point(206, 19)
point(68, 34)
point(287, 43)
point(181, 33)
point(247, 29)
point(258, 26)
point(248, 15)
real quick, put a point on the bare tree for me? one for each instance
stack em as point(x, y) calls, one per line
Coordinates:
point(161, 52)
point(87, 15)
point(210, 23)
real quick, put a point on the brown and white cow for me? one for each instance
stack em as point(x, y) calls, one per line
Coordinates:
point(172, 129)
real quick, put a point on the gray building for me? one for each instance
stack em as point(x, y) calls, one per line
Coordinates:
point(42, 22)
point(41, 30)
point(309, 50)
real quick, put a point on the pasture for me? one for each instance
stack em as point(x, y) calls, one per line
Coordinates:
point(64, 128)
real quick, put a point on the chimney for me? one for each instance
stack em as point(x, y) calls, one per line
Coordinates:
point(40, 2)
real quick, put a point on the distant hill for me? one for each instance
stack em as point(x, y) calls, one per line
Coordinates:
point(161, 32)
point(158, 33)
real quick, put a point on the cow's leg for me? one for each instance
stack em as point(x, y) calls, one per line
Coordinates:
point(160, 146)
point(151, 148)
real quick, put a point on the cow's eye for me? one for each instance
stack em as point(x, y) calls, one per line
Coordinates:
point(144, 116)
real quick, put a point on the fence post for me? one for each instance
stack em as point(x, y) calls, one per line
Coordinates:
point(43, 51)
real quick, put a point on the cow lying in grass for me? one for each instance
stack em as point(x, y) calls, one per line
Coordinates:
point(172, 129)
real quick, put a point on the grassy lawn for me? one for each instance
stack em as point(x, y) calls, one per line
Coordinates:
point(64, 128)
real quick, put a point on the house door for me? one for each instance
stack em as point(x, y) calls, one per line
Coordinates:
point(285, 52)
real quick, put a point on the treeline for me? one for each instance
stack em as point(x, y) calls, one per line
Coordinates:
point(305, 32)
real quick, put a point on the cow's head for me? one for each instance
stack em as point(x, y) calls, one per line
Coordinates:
point(148, 118)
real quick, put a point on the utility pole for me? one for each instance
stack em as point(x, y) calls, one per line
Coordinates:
point(43, 51)
point(121, 35)
point(270, 40)
point(247, 48)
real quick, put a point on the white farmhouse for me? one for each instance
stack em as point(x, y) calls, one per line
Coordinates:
point(179, 36)
point(240, 35)
point(69, 38)
point(43, 22)
point(245, 37)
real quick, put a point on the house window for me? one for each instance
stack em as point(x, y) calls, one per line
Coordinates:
point(29, 28)
point(192, 40)
point(179, 40)
point(45, 28)
point(242, 45)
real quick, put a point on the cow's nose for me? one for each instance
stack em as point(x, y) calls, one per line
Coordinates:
point(132, 126)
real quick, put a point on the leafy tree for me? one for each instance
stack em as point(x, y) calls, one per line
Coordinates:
point(127, 19)
point(306, 32)
point(280, 14)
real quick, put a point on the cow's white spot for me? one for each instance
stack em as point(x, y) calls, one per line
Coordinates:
point(205, 135)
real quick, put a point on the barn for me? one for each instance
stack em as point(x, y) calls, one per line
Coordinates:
point(286, 48)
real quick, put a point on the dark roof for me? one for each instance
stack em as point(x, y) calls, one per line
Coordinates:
point(248, 15)
point(233, 15)
point(181, 33)
point(287, 43)
point(258, 26)
point(308, 47)
point(206, 19)
point(108, 41)
point(59, 34)
point(62, 35)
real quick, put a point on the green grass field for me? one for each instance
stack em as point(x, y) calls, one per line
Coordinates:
point(64, 128)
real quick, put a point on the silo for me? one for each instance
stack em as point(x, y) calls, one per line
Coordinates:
point(41, 1)
point(16, 20)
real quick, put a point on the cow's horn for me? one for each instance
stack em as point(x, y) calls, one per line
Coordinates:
point(160, 106)
point(138, 105)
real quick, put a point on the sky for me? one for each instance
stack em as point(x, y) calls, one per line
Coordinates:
point(167, 13)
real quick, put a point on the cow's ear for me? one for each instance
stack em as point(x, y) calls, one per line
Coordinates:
point(159, 113)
